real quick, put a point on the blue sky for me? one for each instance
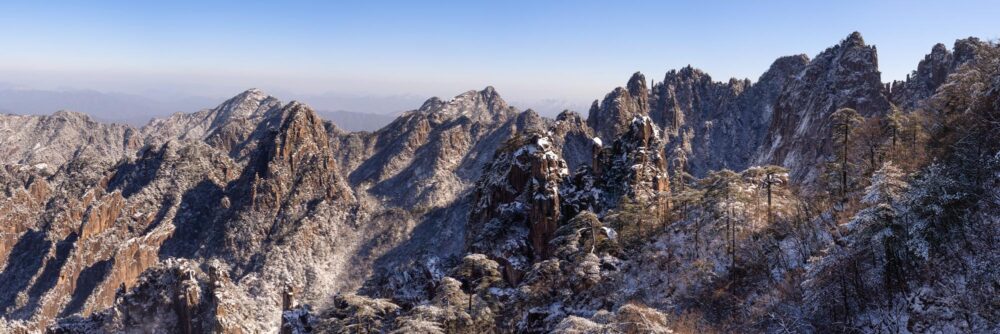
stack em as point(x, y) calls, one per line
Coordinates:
point(568, 51)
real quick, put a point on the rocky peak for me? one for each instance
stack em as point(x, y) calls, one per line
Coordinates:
point(227, 127)
point(517, 205)
point(637, 168)
point(801, 121)
point(299, 153)
point(711, 125)
point(442, 144)
point(638, 90)
point(573, 137)
point(931, 72)
point(71, 116)
point(853, 40)
point(681, 94)
point(569, 116)
point(610, 117)
point(433, 103)
point(783, 68)
point(481, 106)
point(251, 103)
point(965, 49)
point(854, 57)
point(938, 51)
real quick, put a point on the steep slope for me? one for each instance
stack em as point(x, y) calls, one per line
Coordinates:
point(517, 205)
point(422, 168)
point(433, 147)
point(610, 118)
point(571, 135)
point(226, 127)
point(799, 136)
point(103, 233)
point(256, 189)
point(182, 198)
point(714, 125)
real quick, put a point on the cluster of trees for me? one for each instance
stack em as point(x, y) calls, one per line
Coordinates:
point(862, 145)
point(913, 193)
point(906, 197)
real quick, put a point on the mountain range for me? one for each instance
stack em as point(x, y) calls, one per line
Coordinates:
point(815, 199)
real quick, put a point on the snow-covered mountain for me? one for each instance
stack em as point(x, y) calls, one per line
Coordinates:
point(676, 206)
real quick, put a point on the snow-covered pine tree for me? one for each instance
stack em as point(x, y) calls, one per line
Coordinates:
point(878, 230)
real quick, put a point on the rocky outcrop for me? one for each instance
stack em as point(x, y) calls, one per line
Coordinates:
point(517, 204)
point(298, 157)
point(101, 216)
point(634, 168)
point(571, 135)
point(187, 296)
point(799, 136)
point(711, 125)
point(932, 71)
point(174, 296)
point(610, 118)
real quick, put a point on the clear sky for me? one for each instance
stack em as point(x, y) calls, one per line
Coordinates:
point(573, 51)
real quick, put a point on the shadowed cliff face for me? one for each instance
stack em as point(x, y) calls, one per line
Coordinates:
point(711, 125)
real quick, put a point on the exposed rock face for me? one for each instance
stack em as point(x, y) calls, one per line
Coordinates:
point(932, 71)
point(799, 136)
point(517, 204)
point(104, 232)
point(173, 296)
point(421, 169)
point(713, 125)
point(102, 216)
point(56, 139)
point(699, 116)
point(518, 199)
point(611, 117)
point(635, 168)
point(574, 138)
point(435, 150)
point(179, 198)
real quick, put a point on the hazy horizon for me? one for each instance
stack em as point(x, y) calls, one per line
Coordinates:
point(388, 57)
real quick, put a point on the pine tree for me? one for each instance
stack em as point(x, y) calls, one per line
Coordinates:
point(892, 126)
point(878, 226)
point(773, 176)
point(844, 121)
point(724, 198)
